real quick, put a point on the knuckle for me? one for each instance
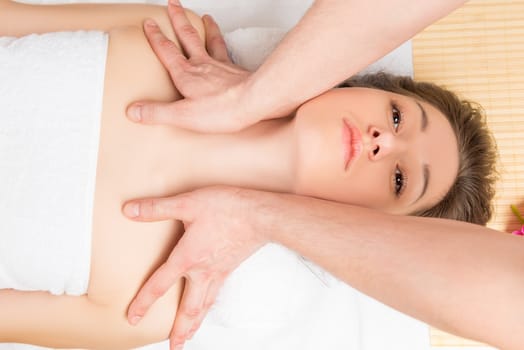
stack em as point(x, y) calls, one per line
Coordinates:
point(208, 304)
point(156, 208)
point(156, 292)
point(198, 68)
point(147, 113)
point(187, 30)
point(164, 43)
point(139, 310)
point(192, 312)
point(179, 339)
point(217, 40)
point(147, 207)
point(194, 328)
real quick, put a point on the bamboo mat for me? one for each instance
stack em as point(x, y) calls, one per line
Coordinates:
point(478, 51)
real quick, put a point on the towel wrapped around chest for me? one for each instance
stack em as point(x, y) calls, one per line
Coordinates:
point(51, 89)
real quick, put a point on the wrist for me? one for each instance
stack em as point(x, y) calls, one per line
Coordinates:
point(252, 109)
point(264, 103)
point(238, 106)
point(263, 212)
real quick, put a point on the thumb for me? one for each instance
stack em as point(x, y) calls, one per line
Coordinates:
point(151, 112)
point(176, 113)
point(185, 113)
point(180, 207)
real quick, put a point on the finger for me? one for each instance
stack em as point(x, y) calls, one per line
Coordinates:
point(179, 207)
point(184, 30)
point(154, 112)
point(211, 296)
point(156, 286)
point(167, 51)
point(215, 44)
point(180, 113)
point(191, 306)
point(176, 346)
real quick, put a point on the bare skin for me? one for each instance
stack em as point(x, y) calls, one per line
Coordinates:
point(229, 104)
point(371, 29)
point(443, 272)
point(435, 270)
point(93, 305)
point(272, 155)
point(118, 270)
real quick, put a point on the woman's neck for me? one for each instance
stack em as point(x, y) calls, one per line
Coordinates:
point(260, 157)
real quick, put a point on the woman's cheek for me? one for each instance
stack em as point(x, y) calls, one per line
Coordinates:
point(368, 188)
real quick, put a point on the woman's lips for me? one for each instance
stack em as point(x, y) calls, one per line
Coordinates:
point(351, 143)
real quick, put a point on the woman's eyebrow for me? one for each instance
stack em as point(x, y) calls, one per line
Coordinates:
point(425, 167)
point(425, 179)
point(423, 117)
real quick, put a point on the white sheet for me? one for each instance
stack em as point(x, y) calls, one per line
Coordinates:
point(305, 307)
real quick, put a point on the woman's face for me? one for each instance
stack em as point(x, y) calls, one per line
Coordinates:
point(376, 149)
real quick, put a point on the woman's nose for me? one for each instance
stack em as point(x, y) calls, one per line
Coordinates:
point(381, 143)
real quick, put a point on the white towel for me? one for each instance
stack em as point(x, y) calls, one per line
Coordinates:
point(51, 95)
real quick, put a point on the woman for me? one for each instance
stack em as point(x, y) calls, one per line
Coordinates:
point(375, 148)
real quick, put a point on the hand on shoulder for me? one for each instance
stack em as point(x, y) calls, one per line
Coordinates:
point(202, 72)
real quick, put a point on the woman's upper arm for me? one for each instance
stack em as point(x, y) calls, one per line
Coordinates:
point(43, 319)
point(64, 321)
point(17, 19)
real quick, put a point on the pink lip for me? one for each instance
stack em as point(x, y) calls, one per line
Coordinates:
point(351, 142)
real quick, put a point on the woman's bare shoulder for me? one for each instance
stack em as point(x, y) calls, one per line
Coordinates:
point(163, 21)
point(131, 59)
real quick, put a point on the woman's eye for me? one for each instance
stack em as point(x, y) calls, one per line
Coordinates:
point(399, 182)
point(396, 116)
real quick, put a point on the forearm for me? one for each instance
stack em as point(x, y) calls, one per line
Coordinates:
point(46, 320)
point(334, 40)
point(66, 321)
point(18, 19)
point(462, 278)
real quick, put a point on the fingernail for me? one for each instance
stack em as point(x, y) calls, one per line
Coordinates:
point(135, 113)
point(174, 2)
point(150, 23)
point(179, 346)
point(209, 20)
point(132, 210)
point(135, 319)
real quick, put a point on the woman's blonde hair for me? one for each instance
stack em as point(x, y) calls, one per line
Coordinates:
point(469, 198)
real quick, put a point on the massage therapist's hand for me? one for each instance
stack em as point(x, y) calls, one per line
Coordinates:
point(210, 83)
point(219, 235)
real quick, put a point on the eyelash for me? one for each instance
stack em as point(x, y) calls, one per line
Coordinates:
point(399, 181)
point(396, 115)
point(399, 178)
